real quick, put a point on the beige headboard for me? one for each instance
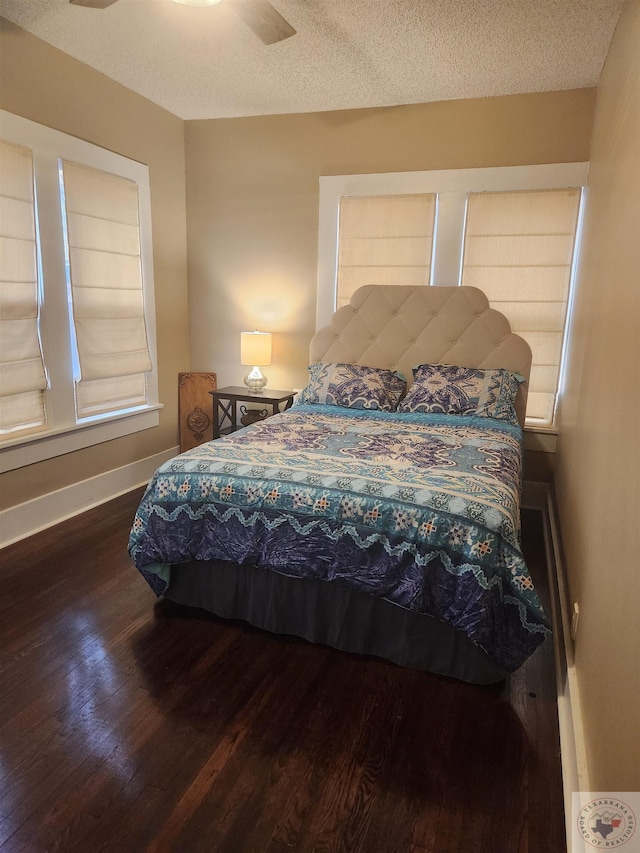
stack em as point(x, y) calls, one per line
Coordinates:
point(399, 327)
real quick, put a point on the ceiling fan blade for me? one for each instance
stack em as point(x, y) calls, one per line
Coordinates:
point(262, 18)
point(93, 4)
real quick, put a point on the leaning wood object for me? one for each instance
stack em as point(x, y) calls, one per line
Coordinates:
point(194, 408)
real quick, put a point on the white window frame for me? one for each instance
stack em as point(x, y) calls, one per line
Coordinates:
point(452, 187)
point(64, 433)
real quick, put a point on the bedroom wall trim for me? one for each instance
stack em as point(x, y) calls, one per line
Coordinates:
point(35, 448)
point(575, 771)
point(25, 519)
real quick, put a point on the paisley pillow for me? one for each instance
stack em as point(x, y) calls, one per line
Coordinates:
point(353, 386)
point(450, 390)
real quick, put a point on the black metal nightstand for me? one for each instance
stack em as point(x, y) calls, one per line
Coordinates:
point(225, 407)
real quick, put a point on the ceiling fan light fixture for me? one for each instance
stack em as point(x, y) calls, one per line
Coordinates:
point(197, 2)
point(258, 15)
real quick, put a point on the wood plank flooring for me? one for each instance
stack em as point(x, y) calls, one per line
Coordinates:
point(128, 726)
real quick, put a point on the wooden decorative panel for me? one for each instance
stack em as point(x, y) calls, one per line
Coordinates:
point(195, 408)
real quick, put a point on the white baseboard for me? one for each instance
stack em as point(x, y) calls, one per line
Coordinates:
point(575, 775)
point(25, 519)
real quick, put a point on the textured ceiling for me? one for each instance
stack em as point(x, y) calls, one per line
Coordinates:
point(204, 62)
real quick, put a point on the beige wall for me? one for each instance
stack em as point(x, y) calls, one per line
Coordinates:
point(252, 202)
point(45, 85)
point(598, 461)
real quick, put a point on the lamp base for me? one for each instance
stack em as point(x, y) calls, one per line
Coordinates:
point(255, 380)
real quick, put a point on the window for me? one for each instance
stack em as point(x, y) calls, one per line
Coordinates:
point(77, 358)
point(510, 231)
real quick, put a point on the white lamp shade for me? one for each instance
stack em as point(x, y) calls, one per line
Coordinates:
point(255, 348)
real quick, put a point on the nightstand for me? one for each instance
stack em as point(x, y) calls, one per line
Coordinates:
point(225, 407)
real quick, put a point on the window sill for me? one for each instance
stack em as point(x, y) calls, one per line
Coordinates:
point(542, 439)
point(37, 447)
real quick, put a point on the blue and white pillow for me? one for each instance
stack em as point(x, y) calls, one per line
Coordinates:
point(353, 386)
point(450, 390)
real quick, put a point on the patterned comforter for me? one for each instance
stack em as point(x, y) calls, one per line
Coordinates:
point(422, 510)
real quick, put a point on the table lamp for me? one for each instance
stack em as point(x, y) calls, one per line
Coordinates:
point(255, 350)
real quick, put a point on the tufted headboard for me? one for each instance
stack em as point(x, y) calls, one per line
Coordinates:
point(399, 327)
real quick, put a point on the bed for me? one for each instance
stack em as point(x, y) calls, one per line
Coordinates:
point(366, 517)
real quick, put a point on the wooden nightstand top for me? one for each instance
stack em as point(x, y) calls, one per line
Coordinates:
point(239, 392)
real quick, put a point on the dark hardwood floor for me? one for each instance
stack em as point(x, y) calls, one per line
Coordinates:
point(128, 727)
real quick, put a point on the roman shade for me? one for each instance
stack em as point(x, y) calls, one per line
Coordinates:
point(23, 378)
point(105, 271)
point(519, 250)
point(384, 240)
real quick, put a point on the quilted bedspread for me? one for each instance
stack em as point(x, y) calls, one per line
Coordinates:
point(422, 510)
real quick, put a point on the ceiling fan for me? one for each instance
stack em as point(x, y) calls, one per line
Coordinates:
point(258, 15)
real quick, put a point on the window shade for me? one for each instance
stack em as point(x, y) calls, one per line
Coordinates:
point(22, 374)
point(384, 240)
point(105, 272)
point(519, 250)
